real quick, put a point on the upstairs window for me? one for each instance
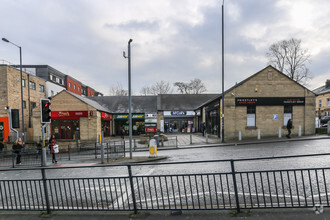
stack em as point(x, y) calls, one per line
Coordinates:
point(41, 88)
point(32, 85)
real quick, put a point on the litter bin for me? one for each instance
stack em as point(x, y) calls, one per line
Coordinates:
point(153, 148)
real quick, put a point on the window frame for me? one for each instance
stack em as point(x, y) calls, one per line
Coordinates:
point(41, 88)
point(251, 116)
point(32, 85)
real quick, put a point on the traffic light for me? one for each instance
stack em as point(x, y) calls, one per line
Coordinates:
point(45, 110)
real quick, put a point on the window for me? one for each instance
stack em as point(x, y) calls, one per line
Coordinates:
point(320, 103)
point(74, 87)
point(54, 78)
point(79, 89)
point(32, 85)
point(23, 82)
point(61, 81)
point(251, 116)
point(69, 85)
point(328, 102)
point(41, 88)
point(24, 104)
point(33, 105)
point(287, 114)
point(57, 80)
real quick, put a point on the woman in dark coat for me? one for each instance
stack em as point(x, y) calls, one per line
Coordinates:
point(289, 127)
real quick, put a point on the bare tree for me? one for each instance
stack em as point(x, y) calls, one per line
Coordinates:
point(195, 86)
point(290, 58)
point(145, 90)
point(117, 90)
point(160, 87)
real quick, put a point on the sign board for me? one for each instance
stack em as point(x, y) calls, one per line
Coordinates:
point(135, 116)
point(105, 116)
point(270, 101)
point(68, 114)
point(275, 116)
point(150, 120)
point(151, 130)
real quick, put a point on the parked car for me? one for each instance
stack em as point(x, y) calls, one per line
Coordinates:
point(324, 121)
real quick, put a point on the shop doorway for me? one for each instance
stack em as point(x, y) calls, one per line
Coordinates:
point(66, 130)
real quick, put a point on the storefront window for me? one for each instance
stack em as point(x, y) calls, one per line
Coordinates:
point(65, 129)
point(287, 114)
point(251, 116)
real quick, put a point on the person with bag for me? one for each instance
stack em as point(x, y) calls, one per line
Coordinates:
point(289, 127)
point(52, 143)
point(17, 148)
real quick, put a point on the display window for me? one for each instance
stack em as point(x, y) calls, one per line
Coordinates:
point(65, 129)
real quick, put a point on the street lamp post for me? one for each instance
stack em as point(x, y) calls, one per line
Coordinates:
point(223, 79)
point(20, 67)
point(129, 97)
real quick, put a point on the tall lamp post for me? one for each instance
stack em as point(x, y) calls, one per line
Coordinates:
point(20, 67)
point(223, 78)
point(129, 97)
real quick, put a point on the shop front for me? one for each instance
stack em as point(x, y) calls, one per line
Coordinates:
point(65, 125)
point(122, 124)
point(179, 121)
point(213, 118)
point(105, 120)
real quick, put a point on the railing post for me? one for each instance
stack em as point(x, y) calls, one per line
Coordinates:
point(191, 139)
point(132, 187)
point(44, 180)
point(69, 151)
point(235, 184)
point(108, 143)
point(124, 149)
point(95, 150)
point(13, 158)
point(102, 148)
point(134, 144)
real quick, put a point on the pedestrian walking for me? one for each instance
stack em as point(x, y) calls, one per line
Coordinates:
point(52, 143)
point(289, 127)
point(17, 148)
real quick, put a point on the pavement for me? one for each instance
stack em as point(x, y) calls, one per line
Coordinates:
point(185, 142)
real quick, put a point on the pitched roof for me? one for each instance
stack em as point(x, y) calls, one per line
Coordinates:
point(88, 101)
point(182, 101)
point(245, 80)
point(119, 104)
point(323, 89)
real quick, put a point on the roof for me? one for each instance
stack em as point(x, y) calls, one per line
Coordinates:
point(323, 89)
point(182, 102)
point(119, 104)
point(90, 102)
point(245, 80)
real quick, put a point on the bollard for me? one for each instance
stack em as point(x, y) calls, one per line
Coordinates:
point(299, 131)
point(191, 139)
point(239, 135)
point(279, 132)
point(258, 134)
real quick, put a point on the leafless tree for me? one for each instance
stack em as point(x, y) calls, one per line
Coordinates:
point(290, 58)
point(195, 86)
point(160, 87)
point(117, 90)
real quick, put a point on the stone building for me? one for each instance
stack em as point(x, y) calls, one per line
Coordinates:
point(77, 117)
point(261, 106)
point(323, 100)
point(34, 88)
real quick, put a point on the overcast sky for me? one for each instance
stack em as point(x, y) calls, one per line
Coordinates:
point(173, 40)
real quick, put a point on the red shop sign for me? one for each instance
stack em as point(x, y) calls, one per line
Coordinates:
point(68, 114)
point(151, 130)
point(105, 116)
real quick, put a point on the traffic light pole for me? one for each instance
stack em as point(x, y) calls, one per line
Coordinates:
point(43, 151)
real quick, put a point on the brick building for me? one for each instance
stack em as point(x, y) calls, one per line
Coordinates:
point(34, 88)
point(262, 104)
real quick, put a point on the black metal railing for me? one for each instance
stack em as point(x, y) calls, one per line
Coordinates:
point(32, 156)
point(125, 190)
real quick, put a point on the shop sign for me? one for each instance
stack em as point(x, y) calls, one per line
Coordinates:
point(151, 130)
point(68, 114)
point(105, 116)
point(136, 116)
point(270, 101)
point(150, 125)
point(178, 113)
point(151, 116)
point(150, 120)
